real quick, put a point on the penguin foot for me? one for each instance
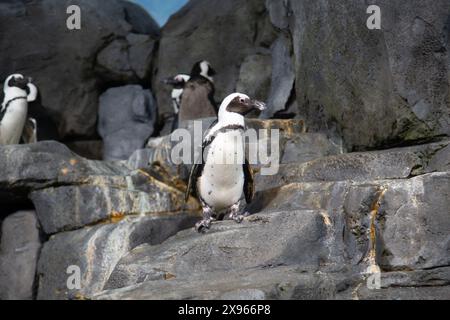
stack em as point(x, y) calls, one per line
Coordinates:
point(237, 217)
point(203, 225)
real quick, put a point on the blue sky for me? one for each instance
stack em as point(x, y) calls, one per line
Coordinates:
point(161, 10)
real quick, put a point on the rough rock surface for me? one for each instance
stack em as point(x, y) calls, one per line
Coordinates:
point(19, 251)
point(225, 37)
point(96, 250)
point(65, 64)
point(378, 86)
point(127, 117)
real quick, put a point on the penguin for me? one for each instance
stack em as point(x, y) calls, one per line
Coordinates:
point(219, 184)
point(197, 99)
point(14, 122)
point(178, 82)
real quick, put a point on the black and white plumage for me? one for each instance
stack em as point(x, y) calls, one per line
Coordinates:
point(224, 174)
point(178, 82)
point(197, 100)
point(14, 122)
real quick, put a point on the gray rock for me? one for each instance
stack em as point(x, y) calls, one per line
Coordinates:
point(126, 120)
point(306, 147)
point(128, 59)
point(262, 241)
point(63, 62)
point(361, 166)
point(280, 282)
point(224, 36)
point(254, 76)
point(96, 250)
point(72, 207)
point(279, 12)
point(47, 164)
point(377, 86)
point(410, 221)
point(283, 77)
point(19, 250)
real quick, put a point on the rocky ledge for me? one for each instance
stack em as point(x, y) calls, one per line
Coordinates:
point(320, 228)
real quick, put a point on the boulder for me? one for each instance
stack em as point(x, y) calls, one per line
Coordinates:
point(379, 87)
point(127, 117)
point(254, 76)
point(96, 250)
point(262, 241)
point(225, 37)
point(65, 64)
point(19, 251)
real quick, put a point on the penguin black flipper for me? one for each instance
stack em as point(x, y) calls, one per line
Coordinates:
point(197, 168)
point(249, 182)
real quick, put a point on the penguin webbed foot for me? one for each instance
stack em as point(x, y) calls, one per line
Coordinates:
point(203, 225)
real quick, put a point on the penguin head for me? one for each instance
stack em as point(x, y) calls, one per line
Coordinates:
point(203, 68)
point(178, 81)
point(18, 84)
point(239, 104)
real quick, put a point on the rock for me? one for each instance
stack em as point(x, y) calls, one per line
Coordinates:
point(410, 221)
point(283, 77)
point(20, 245)
point(271, 283)
point(224, 37)
point(304, 147)
point(254, 76)
point(279, 12)
point(71, 207)
point(47, 164)
point(90, 149)
point(361, 166)
point(294, 238)
point(66, 73)
point(379, 87)
point(96, 250)
point(126, 120)
point(127, 60)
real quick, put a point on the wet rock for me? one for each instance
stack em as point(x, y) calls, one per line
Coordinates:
point(126, 120)
point(19, 250)
point(96, 250)
point(66, 72)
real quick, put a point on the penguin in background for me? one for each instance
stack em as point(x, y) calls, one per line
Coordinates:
point(178, 82)
point(15, 125)
point(197, 99)
point(219, 184)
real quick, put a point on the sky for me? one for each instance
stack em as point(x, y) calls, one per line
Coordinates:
point(161, 10)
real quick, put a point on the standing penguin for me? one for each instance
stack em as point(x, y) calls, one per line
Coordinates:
point(218, 182)
point(197, 100)
point(178, 82)
point(14, 121)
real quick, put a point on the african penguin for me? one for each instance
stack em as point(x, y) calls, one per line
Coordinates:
point(14, 121)
point(197, 100)
point(224, 174)
point(178, 82)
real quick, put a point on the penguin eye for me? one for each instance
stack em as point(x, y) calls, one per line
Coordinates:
point(241, 100)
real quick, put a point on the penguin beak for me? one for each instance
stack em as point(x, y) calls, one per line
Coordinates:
point(258, 105)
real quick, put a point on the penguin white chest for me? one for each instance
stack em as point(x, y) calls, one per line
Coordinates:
point(222, 181)
point(11, 127)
